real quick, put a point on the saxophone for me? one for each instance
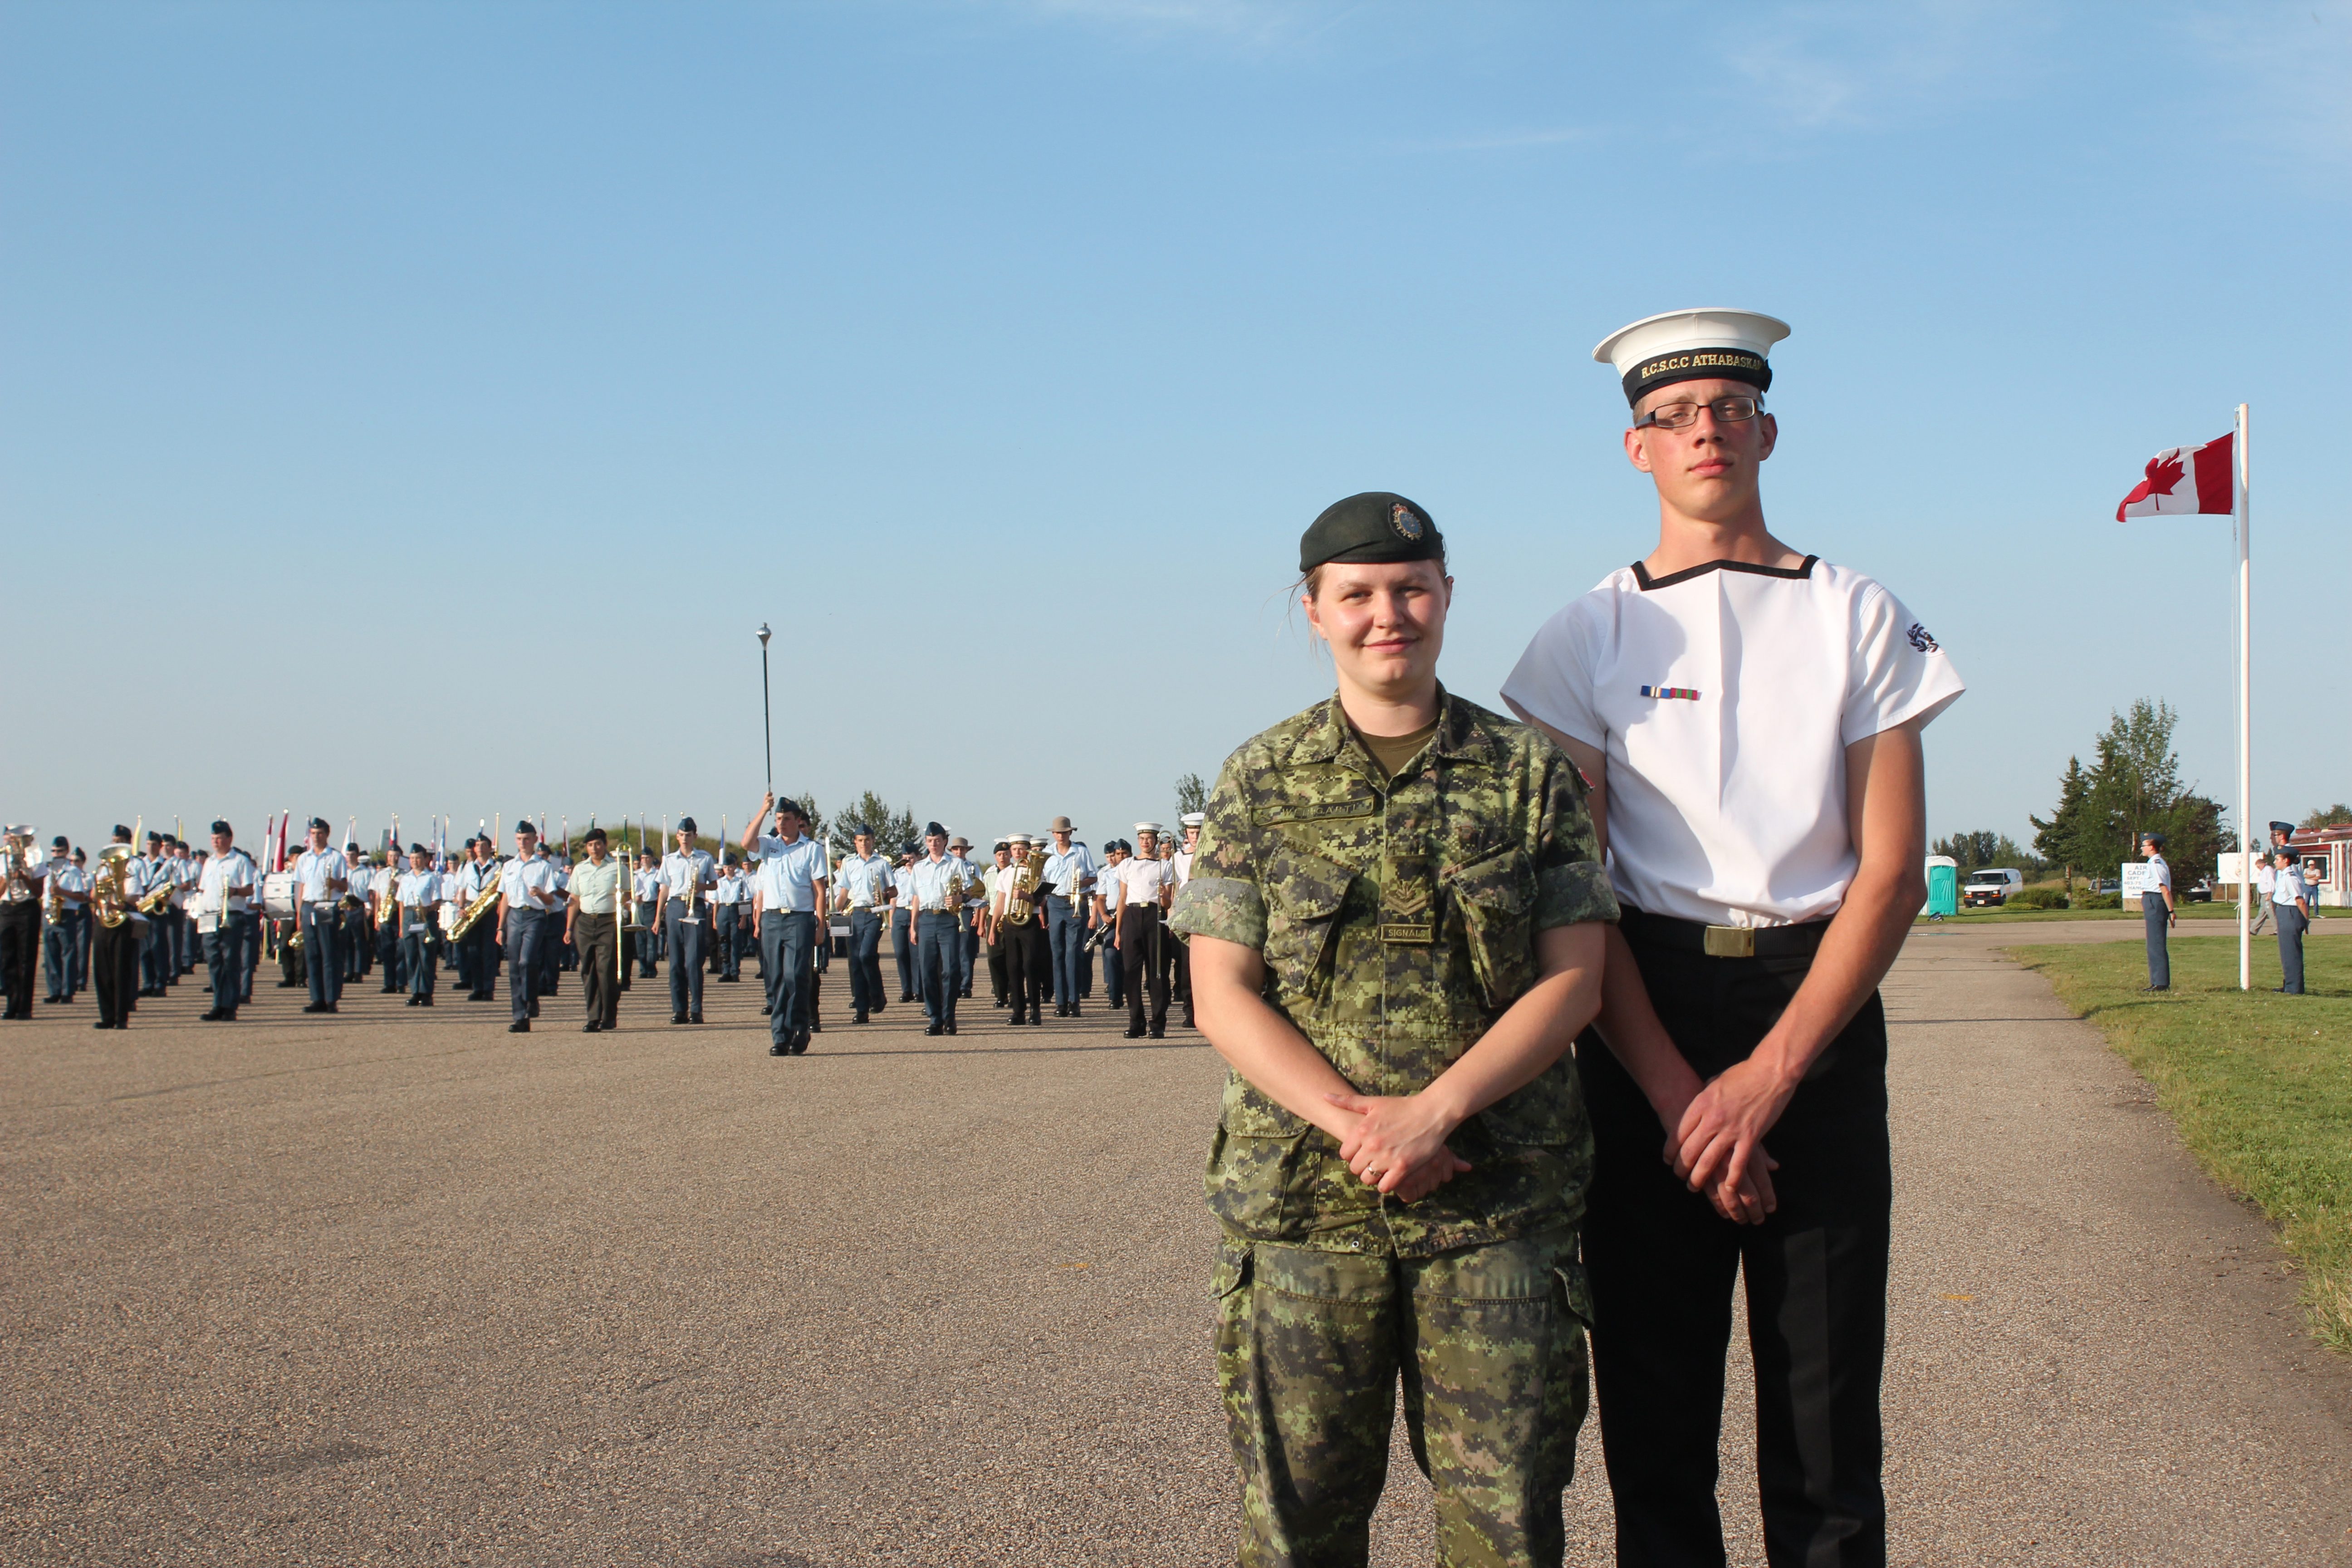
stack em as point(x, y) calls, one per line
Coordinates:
point(484, 903)
point(153, 903)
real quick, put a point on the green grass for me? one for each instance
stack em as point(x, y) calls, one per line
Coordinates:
point(2003, 913)
point(2259, 1084)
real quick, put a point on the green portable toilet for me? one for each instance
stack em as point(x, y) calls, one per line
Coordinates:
point(1943, 887)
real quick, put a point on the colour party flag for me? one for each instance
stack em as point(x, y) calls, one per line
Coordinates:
point(2185, 480)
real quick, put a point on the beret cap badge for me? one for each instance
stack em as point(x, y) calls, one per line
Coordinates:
point(1406, 522)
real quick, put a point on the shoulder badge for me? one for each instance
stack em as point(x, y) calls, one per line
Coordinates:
point(1920, 639)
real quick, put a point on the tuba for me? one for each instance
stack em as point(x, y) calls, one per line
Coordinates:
point(109, 900)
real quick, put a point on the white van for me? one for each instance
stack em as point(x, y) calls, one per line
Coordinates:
point(1991, 885)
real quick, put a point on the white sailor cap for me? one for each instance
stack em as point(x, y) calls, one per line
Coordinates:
point(21, 830)
point(1709, 344)
point(1193, 818)
point(1150, 827)
point(1018, 838)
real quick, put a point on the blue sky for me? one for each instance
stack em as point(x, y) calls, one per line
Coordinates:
point(428, 402)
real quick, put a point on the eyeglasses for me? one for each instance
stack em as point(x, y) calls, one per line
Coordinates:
point(1682, 416)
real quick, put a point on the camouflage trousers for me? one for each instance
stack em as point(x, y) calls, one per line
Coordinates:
point(1489, 1344)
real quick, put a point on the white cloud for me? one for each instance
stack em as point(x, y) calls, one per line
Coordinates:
point(1836, 67)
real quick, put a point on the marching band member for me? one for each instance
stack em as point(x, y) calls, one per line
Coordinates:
point(478, 954)
point(185, 873)
point(1180, 956)
point(225, 893)
point(115, 949)
point(67, 901)
point(1106, 896)
point(934, 892)
point(1146, 890)
point(688, 875)
point(152, 966)
point(902, 945)
point(322, 876)
point(358, 952)
point(967, 915)
point(788, 895)
point(592, 920)
point(727, 901)
point(527, 885)
point(20, 920)
point(864, 888)
point(550, 951)
point(412, 906)
point(646, 886)
point(1022, 934)
point(989, 877)
point(1070, 873)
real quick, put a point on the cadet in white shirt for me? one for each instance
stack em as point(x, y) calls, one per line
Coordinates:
point(863, 886)
point(528, 894)
point(646, 885)
point(20, 919)
point(729, 916)
point(1748, 719)
point(478, 951)
point(1180, 871)
point(2291, 900)
point(788, 894)
point(322, 878)
point(358, 952)
point(902, 939)
point(688, 875)
point(1106, 901)
point(2156, 911)
point(225, 899)
point(410, 913)
point(1146, 886)
point(115, 949)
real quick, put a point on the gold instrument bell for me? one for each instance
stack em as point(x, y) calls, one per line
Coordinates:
point(109, 900)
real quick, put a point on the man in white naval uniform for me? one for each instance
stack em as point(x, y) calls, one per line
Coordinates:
point(1749, 717)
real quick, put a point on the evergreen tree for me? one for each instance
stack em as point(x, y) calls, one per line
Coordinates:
point(892, 827)
point(2056, 839)
point(2337, 816)
point(1191, 795)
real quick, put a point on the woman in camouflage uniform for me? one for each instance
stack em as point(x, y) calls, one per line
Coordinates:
point(1394, 920)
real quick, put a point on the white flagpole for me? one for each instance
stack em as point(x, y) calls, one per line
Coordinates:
point(2245, 716)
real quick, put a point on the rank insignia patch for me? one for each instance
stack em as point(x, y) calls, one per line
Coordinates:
point(1685, 692)
point(1405, 521)
point(1920, 639)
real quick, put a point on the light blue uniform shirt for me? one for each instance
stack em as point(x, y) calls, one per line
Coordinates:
point(789, 874)
point(867, 879)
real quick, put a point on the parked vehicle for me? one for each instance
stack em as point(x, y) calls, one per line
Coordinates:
point(2202, 893)
point(1990, 886)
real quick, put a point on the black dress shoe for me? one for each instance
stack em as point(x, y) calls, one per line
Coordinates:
point(519, 1026)
point(427, 999)
point(288, 984)
point(102, 1023)
point(390, 990)
point(1018, 1018)
point(815, 1027)
point(779, 1050)
point(1132, 1035)
point(591, 1026)
point(211, 1016)
point(950, 1028)
point(314, 1007)
point(767, 1012)
point(694, 1017)
point(678, 1017)
point(906, 996)
point(414, 1001)
point(860, 1019)
point(932, 1029)
point(53, 1001)
point(1158, 1034)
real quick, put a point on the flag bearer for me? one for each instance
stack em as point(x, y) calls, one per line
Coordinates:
point(1749, 719)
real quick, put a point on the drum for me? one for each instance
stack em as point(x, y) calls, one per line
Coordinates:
point(278, 895)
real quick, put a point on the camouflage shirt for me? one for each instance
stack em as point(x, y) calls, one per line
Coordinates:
point(1397, 918)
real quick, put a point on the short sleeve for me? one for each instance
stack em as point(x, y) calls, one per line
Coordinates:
point(1553, 683)
point(1221, 900)
point(1899, 674)
point(1571, 886)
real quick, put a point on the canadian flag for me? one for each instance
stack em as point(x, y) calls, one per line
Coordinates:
point(2185, 480)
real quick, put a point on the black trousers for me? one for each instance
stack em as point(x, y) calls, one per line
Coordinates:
point(114, 971)
point(996, 970)
point(1028, 966)
point(20, 953)
point(597, 939)
point(1663, 1265)
point(1180, 971)
point(483, 943)
point(1143, 961)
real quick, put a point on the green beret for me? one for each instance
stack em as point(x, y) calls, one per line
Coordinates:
point(1377, 525)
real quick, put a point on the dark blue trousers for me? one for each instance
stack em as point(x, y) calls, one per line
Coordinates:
point(2160, 959)
point(417, 955)
point(939, 956)
point(685, 940)
point(225, 960)
point(59, 950)
point(1066, 934)
point(2291, 924)
point(902, 952)
point(785, 954)
point(730, 920)
point(323, 930)
point(864, 959)
point(525, 958)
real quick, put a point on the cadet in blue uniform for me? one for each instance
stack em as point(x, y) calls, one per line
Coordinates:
point(527, 885)
point(2155, 910)
point(789, 896)
point(863, 886)
point(688, 874)
point(228, 891)
point(322, 876)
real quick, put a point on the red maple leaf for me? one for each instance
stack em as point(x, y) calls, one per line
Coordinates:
point(2164, 473)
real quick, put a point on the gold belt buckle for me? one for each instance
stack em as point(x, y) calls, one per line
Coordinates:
point(1731, 941)
point(1420, 933)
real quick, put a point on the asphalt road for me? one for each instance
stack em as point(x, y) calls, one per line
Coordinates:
point(397, 1287)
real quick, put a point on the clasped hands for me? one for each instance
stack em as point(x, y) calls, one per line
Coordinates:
point(1397, 1143)
point(1716, 1141)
